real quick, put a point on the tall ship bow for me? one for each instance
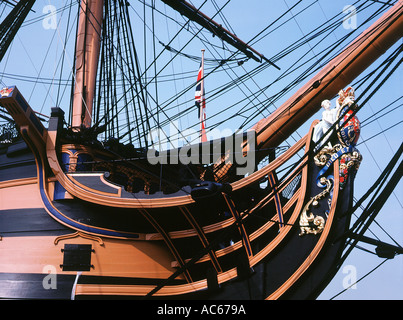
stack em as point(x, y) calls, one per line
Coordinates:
point(110, 195)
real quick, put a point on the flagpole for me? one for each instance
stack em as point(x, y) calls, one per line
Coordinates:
point(202, 102)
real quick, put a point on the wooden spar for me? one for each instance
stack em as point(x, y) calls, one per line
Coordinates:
point(194, 14)
point(336, 75)
point(87, 56)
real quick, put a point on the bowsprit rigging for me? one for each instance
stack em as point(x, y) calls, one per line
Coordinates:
point(242, 215)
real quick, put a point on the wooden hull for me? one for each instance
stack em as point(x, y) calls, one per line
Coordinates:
point(69, 233)
point(244, 245)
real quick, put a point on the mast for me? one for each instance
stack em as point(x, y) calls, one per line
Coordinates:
point(336, 75)
point(87, 55)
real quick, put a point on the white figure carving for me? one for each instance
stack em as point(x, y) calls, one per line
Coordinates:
point(328, 118)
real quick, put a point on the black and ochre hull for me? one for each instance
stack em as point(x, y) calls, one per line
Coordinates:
point(71, 248)
point(67, 230)
point(75, 234)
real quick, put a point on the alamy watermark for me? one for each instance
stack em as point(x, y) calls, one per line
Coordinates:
point(50, 280)
point(350, 280)
point(176, 146)
point(350, 20)
point(50, 21)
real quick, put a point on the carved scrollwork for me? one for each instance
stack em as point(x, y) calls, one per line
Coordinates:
point(349, 158)
point(325, 154)
point(349, 161)
point(308, 222)
point(311, 224)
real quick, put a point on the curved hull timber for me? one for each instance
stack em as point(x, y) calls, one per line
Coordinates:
point(246, 244)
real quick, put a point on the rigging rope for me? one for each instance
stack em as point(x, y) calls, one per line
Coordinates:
point(375, 204)
point(366, 275)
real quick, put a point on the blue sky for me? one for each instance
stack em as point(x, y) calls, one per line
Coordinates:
point(29, 55)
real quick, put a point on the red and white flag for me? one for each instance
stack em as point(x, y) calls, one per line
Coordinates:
point(201, 102)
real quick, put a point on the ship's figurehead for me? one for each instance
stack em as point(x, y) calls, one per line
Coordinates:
point(348, 127)
point(344, 151)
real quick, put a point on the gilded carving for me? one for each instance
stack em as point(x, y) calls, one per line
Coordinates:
point(348, 157)
point(308, 222)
